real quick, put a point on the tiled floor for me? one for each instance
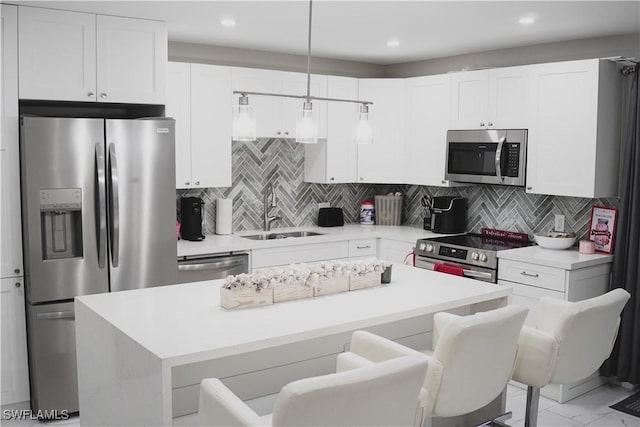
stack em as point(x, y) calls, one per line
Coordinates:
point(590, 409)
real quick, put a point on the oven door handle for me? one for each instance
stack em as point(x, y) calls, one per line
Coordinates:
point(498, 160)
point(477, 274)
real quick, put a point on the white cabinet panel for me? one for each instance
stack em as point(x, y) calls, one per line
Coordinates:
point(396, 251)
point(300, 253)
point(268, 109)
point(335, 160)
point(491, 99)
point(132, 60)
point(363, 247)
point(179, 107)
point(10, 221)
point(198, 98)
point(427, 125)
point(13, 366)
point(210, 126)
point(469, 99)
point(57, 54)
point(575, 131)
point(71, 56)
point(383, 161)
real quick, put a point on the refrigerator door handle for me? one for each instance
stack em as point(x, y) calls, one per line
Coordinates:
point(114, 205)
point(56, 315)
point(102, 204)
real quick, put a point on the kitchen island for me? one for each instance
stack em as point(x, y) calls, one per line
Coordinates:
point(142, 353)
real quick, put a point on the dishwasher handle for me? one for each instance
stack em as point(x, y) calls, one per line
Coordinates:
point(228, 262)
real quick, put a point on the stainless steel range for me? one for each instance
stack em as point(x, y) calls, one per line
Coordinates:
point(469, 255)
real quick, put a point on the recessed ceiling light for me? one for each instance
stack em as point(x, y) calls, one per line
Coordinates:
point(228, 22)
point(527, 20)
point(393, 43)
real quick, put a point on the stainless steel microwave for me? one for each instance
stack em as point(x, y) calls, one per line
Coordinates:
point(491, 156)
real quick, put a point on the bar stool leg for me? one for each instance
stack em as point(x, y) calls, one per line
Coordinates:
point(533, 401)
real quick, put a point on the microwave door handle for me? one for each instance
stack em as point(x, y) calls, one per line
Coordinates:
point(498, 160)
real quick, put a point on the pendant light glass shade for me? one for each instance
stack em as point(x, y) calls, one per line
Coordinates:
point(307, 125)
point(244, 121)
point(364, 132)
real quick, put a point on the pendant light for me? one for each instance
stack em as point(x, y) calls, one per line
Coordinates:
point(307, 125)
point(364, 132)
point(244, 120)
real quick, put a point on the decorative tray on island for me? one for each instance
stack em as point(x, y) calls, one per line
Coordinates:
point(298, 281)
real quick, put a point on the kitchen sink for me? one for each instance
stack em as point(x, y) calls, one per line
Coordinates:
point(285, 235)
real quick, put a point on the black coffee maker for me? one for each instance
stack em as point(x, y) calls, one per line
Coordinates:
point(191, 215)
point(449, 215)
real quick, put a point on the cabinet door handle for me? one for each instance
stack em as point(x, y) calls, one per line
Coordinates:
point(444, 181)
point(489, 124)
point(103, 95)
point(332, 179)
point(529, 188)
point(197, 182)
point(361, 179)
point(17, 284)
point(91, 94)
point(186, 183)
point(364, 247)
point(481, 124)
point(278, 133)
point(17, 271)
point(524, 273)
point(286, 133)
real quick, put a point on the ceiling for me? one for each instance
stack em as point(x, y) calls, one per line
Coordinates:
point(359, 30)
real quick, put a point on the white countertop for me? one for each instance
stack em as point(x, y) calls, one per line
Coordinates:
point(185, 322)
point(568, 259)
point(214, 243)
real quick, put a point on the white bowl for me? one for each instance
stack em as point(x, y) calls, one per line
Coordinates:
point(553, 240)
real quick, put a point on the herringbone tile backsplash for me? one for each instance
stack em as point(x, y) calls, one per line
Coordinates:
point(280, 162)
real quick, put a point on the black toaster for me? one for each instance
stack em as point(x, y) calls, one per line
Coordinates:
point(330, 217)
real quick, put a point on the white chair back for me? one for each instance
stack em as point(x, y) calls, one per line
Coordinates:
point(478, 354)
point(384, 394)
point(586, 331)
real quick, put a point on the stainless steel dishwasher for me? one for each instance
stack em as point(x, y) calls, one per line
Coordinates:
point(195, 269)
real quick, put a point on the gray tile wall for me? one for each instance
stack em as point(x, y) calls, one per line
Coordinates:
point(281, 162)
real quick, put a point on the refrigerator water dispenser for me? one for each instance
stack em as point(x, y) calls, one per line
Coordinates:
point(61, 223)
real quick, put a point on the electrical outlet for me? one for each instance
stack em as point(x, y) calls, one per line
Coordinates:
point(559, 223)
point(324, 205)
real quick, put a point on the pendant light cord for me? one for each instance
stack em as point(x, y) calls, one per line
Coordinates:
point(309, 51)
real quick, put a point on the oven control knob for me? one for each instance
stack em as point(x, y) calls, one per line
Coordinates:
point(483, 257)
point(474, 256)
point(429, 247)
point(422, 246)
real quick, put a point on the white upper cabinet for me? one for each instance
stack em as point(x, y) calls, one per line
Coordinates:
point(71, 56)
point(276, 116)
point(57, 55)
point(427, 124)
point(335, 159)
point(383, 161)
point(574, 137)
point(198, 98)
point(132, 60)
point(490, 99)
point(268, 109)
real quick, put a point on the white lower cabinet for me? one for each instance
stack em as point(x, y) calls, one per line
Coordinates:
point(396, 251)
point(198, 99)
point(261, 258)
point(13, 366)
point(531, 281)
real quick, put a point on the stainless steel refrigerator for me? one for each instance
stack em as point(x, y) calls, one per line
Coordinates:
point(98, 204)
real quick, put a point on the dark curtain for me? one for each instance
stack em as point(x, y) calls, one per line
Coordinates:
point(624, 363)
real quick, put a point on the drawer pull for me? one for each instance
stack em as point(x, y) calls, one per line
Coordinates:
point(364, 247)
point(524, 273)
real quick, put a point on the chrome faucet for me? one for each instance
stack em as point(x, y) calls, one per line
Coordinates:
point(274, 204)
